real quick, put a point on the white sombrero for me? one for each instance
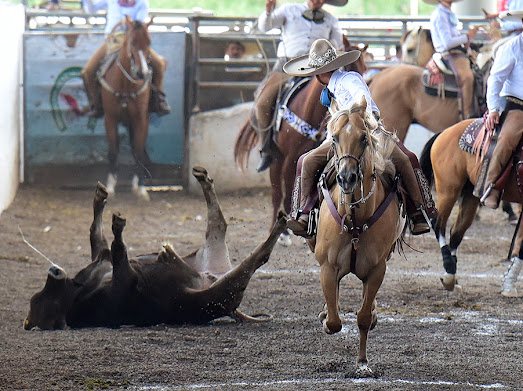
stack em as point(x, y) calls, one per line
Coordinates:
point(322, 58)
point(337, 3)
point(514, 16)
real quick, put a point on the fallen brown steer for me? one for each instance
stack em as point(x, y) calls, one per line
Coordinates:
point(154, 288)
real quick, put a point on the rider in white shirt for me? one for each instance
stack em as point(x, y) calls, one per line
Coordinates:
point(347, 88)
point(513, 26)
point(449, 41)
point(116, 11)
point(300, 24)
point(505, 104)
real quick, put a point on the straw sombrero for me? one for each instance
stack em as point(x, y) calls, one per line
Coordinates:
point(337, 3)
point(433, 1)
point(514, 16)
point(322, 58)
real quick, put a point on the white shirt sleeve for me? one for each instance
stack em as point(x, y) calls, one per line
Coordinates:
point(274, 20)
point(501, 69)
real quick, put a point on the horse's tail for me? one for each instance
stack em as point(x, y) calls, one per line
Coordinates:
point(245, 142)
point(425, 162)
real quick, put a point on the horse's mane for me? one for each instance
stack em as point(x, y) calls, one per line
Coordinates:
point(380, 142)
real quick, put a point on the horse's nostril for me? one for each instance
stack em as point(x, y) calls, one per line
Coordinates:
point(353, 178)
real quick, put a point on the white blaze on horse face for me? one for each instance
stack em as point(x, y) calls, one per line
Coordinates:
point(143, 63)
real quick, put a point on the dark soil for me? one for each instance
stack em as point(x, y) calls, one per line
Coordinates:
point(426, 338)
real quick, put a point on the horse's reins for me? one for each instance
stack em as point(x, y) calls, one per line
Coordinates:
point(355, 231)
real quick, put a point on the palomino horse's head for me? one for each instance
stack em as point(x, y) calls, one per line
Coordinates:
point(136, 45)
point(416, 47)
point(359, 149)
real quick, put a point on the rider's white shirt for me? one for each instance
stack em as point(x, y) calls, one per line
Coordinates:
point(298, 33)
point(347, 88)
point(506, 74)
point(444, 30)
point(115, 12)
point(509, 25)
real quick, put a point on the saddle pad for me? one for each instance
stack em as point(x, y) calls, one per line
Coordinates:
point(474, 133)
point(440, 90)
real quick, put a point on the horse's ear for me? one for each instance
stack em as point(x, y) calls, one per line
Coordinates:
point(128, 20)
point(363, 103)
point(150, 22)
point(346, 42)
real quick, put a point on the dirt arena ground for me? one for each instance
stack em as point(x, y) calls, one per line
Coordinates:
point(426, 338)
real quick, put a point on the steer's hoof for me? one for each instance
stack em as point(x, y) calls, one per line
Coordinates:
point(201, 174)
point(118, 222)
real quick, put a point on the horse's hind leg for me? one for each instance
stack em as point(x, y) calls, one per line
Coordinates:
point(213, 256)
point(468, 206)
point(111, 130)
point(98, 241)
point(138, 132)
point(367, 316)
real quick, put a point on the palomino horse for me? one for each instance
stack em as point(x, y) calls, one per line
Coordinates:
point(416, 47)
point(364, 194)
point(125, 99)
point(453, 171)
point(291, 143)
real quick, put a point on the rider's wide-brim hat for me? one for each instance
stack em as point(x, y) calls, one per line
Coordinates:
point(337, 3)
point(322, 58)
point(514, 16)
point(433, 1)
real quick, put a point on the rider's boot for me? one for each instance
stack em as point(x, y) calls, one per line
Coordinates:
point(511, 278)
point(163, 106)
point(418, 222)
point(299, 226)
point(491, 197)
point(158, 65)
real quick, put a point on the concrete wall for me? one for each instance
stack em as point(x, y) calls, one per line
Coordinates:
point(211, 142)
point(11, 29)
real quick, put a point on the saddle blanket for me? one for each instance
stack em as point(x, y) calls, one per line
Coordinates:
point(476, 138)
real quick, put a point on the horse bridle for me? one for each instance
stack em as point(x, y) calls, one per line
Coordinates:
point(343, 194)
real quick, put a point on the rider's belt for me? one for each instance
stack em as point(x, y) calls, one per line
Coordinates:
point(515, 100)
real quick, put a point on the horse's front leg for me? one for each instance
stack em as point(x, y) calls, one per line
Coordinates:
point(140, 130)
point(97, 237)
point(111, 131)
point(367, 317)
point(330, 285)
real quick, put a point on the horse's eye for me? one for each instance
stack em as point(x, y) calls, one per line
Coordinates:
point(363, 141)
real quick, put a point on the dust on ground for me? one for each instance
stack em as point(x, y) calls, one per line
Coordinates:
point(426, 338)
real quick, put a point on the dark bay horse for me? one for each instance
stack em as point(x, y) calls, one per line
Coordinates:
point(125, 100)
point(291, 144)
point(454, 173)
point(362, 240)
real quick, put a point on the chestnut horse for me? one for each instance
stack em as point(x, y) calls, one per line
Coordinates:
point(125, 100)
point(365, 195)
point(291, 144)
point(455, 172)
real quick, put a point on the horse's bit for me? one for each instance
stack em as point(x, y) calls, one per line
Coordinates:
point(362, 199)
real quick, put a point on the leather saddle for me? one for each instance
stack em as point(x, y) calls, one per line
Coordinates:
point(477, 140)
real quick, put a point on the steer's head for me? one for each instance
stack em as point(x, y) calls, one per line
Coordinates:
point(49, 306)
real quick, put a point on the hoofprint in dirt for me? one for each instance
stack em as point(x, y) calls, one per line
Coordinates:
point(426, 338)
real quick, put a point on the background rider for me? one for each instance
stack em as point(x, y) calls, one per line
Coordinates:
point(116, 11)
point(301, 24)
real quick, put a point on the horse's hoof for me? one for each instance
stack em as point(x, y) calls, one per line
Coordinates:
point(142, 194)
point(363, 371)
point(118, 222)
point(200, 173)
point(285, 239)
point(449, 281)
point(101, 191)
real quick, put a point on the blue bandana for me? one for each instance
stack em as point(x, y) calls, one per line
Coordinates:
point(325, 97)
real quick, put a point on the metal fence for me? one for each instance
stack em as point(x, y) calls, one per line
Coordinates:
point(215, 82)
